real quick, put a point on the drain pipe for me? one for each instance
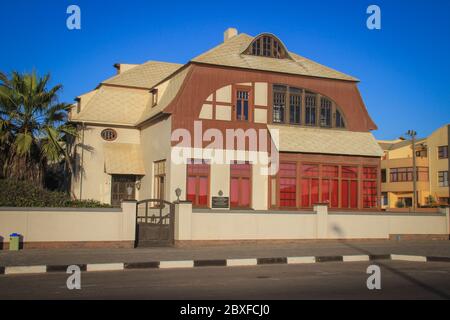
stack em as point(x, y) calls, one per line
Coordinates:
point(82, 160)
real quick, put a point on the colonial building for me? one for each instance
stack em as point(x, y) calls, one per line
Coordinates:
point(136, 126)
point(432, 165)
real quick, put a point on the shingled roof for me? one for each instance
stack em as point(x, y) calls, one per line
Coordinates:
point(230, 54)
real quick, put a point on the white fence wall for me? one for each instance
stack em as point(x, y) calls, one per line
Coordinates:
point(319, 224)
point(53, 225)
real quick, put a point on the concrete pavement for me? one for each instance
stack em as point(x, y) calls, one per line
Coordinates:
point(399, 280)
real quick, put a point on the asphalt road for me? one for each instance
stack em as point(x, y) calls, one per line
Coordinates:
point(399, 280)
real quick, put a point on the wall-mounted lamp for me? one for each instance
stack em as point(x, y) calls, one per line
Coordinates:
point(178, 193)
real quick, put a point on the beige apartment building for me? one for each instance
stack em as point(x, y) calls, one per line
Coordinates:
point(432, 165)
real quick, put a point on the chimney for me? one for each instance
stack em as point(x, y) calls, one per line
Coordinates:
point(229, 33)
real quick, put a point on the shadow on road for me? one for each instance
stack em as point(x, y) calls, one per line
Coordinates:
point(399, 273)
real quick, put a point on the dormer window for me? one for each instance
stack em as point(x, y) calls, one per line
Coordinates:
point(267, 46)
point(154, 93)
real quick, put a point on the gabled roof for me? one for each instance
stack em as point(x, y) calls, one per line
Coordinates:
point(230, 54)
point(145, 76)
point(114, 105)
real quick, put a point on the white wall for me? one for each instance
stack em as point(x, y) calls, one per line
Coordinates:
point(247, 225)
point(68, 224)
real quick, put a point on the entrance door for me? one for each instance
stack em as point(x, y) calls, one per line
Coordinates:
point(120, 186)
point(240, 185)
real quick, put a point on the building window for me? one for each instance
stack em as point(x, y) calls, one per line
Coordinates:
point(370, 190)
point(384, 199)
point(109, 134)
point(240, 185)
point(421, 153)
point(242, 105)
point(443, 152)
point(340, 123)
point(349, 187)
point(154, 93)
point(159, 172)
point(288, 184)
point(279, 104)
point(309, 184)
point(443, 178)
point(383, 175)
point(330, 185)
point(406, 174)
point(267, 46)
point(295, 105)
point(198, 183)
point(325, 112)
point(310, 109)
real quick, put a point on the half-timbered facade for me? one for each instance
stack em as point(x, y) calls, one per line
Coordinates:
point(133, 129)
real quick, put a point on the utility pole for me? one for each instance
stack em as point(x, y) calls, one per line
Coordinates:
point(413, 134)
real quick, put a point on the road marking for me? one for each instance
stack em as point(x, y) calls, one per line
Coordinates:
point(297, 260)
point(402, 257)
point(25, 269)
point(104, 266)
point(176, 264)
point(241, 262)
point(353, 258)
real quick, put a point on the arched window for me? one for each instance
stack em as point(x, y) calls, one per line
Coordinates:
point(339, 120)
point(267, 46)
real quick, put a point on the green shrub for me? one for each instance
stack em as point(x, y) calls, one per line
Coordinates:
point(23, 194)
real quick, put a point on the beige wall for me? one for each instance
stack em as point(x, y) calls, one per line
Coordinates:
point(436, 139)
point(95, 182)
point(244, 225)
point(69, 225)
point(155, 146)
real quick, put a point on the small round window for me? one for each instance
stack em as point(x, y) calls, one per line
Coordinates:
point(109, 134)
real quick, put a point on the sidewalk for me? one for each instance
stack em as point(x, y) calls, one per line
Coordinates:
point(309, 248)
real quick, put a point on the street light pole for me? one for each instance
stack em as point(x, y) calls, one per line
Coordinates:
point(413, 134)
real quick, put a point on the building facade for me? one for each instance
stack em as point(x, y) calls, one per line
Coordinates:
point(245, 125)
point(432, 165)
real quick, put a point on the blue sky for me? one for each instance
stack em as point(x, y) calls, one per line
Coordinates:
point(404, 68)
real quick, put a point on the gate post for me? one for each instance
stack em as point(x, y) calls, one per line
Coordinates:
point(183, 220)
point(129, 220)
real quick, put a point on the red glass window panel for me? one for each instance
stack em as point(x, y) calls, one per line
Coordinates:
point(350, 172)
point(330, 171)
point(288, 170)
point(191, 183)
point(344, 193)
point(241, 169)
point(353, 194)
point(203, 191)
point(314, 191)
point(326, 191)
point(305, 193)
point(334, 193)
point(310, 170)
point(288, 191)
point(245, 192)
point(234, 192)
point(369, 172)
point(370, 194)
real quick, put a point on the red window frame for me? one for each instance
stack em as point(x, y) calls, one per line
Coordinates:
point(241, 179)
point(198, 174)
point(287, 185)
point(236, 99)
point(370, 187)
point(349, 187)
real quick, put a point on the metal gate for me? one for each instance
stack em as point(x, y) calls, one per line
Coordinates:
point(154, 223)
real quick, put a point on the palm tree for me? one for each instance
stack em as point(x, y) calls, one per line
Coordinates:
point(33, 127)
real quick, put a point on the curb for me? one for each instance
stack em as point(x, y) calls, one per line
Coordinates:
point(92, 267)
